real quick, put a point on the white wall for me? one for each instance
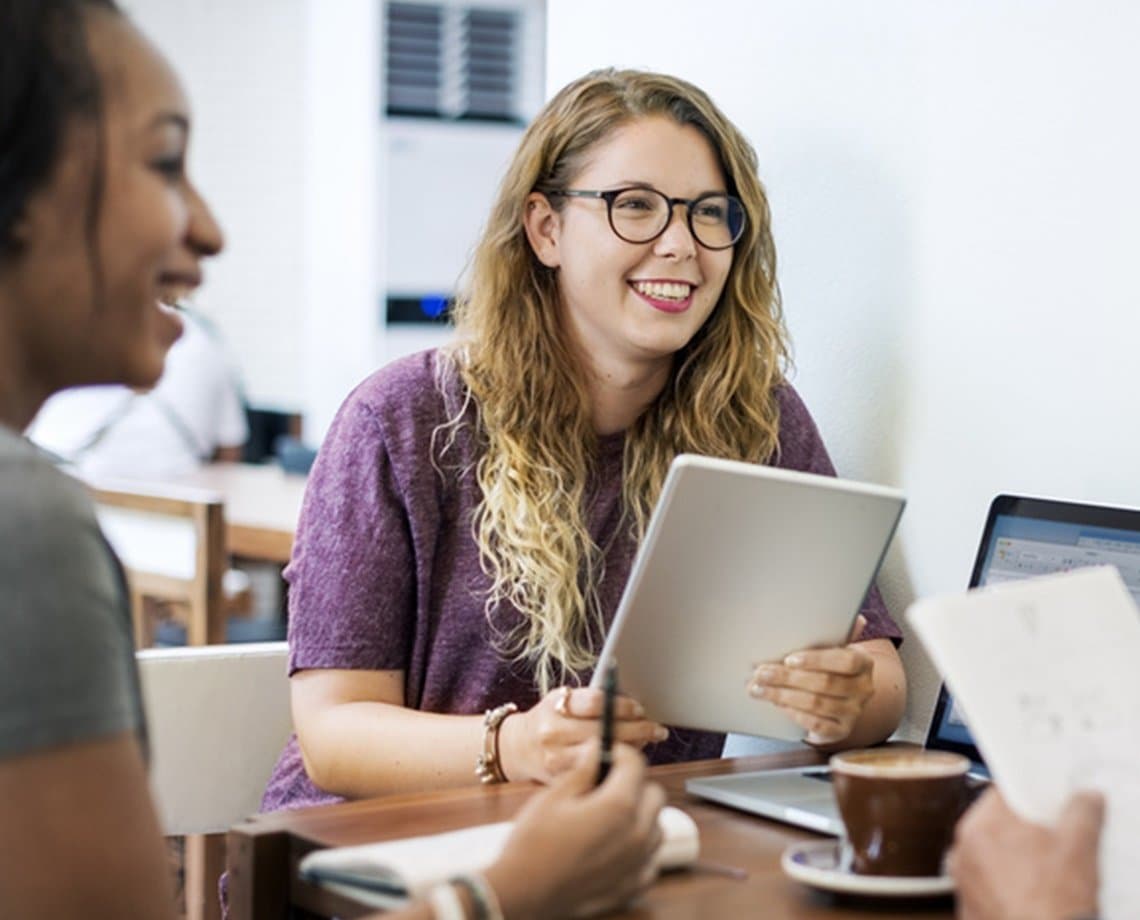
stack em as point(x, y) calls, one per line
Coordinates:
point(956, 191)
point(346, 202)
point(286, 103)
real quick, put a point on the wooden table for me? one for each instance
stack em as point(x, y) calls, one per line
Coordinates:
point(263, 854)
point(262, 504)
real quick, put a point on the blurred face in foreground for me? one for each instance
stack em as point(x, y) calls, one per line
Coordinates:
point(116, 232)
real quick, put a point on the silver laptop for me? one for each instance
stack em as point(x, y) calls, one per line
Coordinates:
point(1023, 537)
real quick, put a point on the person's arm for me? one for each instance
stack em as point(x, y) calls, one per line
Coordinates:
point(353, 602)
point(79, 837)
point(358, 739)
point(78, 832)
point(227, 455)
point(844, 697)
point(575, 849)
point(1006, 868)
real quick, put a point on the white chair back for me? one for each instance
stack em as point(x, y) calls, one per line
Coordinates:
point(218, 717)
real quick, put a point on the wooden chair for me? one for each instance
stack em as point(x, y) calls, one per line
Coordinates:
point(218, 718)
point(172, 544)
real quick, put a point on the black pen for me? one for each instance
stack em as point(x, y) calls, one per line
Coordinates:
point(606, 759)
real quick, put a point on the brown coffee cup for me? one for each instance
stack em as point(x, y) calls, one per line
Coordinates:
point(899, 806)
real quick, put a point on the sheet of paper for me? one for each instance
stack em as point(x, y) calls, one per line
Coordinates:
point(1047, 675)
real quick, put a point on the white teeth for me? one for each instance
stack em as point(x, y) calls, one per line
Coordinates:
point(663, 290)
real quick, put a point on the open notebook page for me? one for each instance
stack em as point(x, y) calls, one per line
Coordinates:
point(389, 873)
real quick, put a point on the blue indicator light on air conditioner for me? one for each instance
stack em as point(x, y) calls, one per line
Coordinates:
point(433, 305)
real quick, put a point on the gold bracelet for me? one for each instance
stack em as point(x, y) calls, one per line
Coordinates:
point(487, 765)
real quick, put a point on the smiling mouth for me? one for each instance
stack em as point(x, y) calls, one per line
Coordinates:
point(172, 290)
point(675, 291)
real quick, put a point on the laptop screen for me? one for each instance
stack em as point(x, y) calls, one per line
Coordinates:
point(1024, 537)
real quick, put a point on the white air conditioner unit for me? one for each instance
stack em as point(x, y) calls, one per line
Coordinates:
point(461, 80)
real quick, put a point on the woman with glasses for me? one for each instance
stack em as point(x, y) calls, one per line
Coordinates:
point(474, 512)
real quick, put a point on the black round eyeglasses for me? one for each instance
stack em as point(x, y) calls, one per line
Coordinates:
point(639, 214)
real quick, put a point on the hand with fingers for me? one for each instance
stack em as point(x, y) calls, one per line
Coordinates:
point(825, 690)
point(1006, 867)
point(577, 849)
point(547, 739)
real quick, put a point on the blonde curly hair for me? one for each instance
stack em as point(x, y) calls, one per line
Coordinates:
point(532, 412)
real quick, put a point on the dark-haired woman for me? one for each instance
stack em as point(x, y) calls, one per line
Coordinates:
point(100, 228)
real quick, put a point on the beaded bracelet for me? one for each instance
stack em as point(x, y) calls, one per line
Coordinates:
point(488, 767)
point(482, 896)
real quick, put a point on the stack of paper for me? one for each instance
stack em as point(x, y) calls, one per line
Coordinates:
point(1046, 674)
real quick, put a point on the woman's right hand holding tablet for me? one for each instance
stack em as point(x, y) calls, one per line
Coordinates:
point(547, 739)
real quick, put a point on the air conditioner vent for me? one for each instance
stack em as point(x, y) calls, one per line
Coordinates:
point(414, 58)
point(452, 62)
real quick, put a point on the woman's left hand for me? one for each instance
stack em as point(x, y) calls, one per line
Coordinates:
point(825, 690)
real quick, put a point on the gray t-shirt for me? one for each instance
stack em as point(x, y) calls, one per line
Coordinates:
point(67, 668)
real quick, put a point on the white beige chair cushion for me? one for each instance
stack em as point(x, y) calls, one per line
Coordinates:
point(218, 718)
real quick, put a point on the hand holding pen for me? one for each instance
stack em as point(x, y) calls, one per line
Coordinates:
point(606, 757)
point(548, 738)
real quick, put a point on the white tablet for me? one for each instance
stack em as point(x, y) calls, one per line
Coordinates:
point(742, 563)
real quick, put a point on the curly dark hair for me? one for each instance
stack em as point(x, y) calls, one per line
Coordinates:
point(46, 78)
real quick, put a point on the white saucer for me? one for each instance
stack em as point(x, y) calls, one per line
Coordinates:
point(816, 863)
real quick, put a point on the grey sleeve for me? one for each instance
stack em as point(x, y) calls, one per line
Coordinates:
point(66, 652)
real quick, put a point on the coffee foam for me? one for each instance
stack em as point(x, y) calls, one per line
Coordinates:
point(917, 764)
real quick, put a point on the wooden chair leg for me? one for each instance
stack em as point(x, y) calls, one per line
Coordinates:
point(205, 862)
point(138, 618)
point(204, 627)
point(142, 617)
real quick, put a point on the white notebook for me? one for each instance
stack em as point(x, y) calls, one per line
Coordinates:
point(391, 873)
point(1044, 671)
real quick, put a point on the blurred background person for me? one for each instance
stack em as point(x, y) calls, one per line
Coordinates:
point(194, 414)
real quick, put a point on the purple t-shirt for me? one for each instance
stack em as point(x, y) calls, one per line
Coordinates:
point(385, 574)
